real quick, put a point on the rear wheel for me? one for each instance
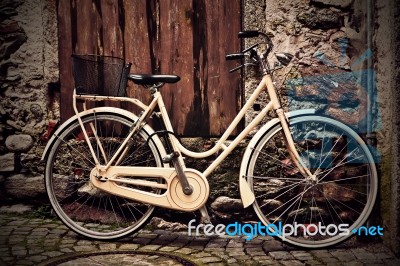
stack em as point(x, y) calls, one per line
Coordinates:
point(340, 197)
point(82, 207)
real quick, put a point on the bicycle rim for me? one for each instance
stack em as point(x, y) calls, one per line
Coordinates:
point(326, 210)
point(82, 207)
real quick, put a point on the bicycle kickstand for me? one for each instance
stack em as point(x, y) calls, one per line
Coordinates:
point(205, 218)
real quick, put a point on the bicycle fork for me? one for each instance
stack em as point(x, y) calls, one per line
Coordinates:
point(294, 155)
point(289, 142)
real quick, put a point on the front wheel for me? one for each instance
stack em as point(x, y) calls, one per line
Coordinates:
point(81, 206)
point(323, 210)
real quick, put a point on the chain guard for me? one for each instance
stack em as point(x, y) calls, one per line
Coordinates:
point(173, 198)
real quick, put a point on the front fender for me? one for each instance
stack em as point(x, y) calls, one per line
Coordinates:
point(98, 110)
point(246, 192)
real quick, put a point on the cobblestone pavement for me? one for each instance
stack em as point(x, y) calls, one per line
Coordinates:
point(33, 241)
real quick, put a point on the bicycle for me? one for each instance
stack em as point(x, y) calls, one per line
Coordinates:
point(107, 169)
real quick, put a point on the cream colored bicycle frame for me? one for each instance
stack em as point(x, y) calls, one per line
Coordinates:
point(246, 193)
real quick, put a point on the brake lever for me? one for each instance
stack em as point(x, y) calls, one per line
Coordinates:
point(234, 56)
point(250, 48)
point(236, 68)
point(241, 66)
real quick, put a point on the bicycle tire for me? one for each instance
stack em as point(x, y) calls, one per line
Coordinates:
point(83, 208)
point(344, 193)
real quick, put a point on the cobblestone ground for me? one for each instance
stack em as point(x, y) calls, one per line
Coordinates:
point(32, 241)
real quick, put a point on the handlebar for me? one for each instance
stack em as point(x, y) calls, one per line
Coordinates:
point(248, 34)
point(254, 56)
point(234, 56)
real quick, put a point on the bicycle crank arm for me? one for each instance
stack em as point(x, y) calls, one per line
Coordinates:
point(173, 157)
point(115, 180)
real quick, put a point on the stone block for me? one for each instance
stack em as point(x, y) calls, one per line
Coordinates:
point(19, 143)
point(162, 224)
point(18, 208)
point(7, 162)
point(11, 43)
point(334, 3)
point(320, 19)
point(24, 187)
point(227, 204)
point(346, 115)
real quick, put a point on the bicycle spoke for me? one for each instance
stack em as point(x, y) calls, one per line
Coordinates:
point(343, 179)
point(129, 208)
point(291, 186)
point(113, 210)
point(298, 207)
point(120, 209)
point(332, 207)
point(319, 212)
point(331, 151)
point(274, 177)
point(286, 166)
point(332, 170)
point(336, 207)
point(294, 202)
point(355, 191)
point(77, 200)
point(340, 164)
point(322, 147)
point(78, 152)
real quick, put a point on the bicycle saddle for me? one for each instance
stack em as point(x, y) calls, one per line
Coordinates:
point(148, 79)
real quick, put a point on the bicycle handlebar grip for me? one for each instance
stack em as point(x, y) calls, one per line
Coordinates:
point(234, 56)
point(248, 34)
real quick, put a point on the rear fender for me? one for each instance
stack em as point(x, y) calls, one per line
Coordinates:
point(99, 110)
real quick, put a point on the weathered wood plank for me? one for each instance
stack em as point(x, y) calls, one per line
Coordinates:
point(230, 87)
point(86, 31)
point(138, 44)
point(176, 57)
point(111, 34)
point(64, 54)
point(214, 35)
point(200, 116)
point(86, 28)
point(112, 37)
point(212, 67)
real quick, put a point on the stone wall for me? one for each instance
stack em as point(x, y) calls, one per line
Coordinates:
point(28, 78)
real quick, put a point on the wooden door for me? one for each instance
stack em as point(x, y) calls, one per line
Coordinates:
point(186, 38)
